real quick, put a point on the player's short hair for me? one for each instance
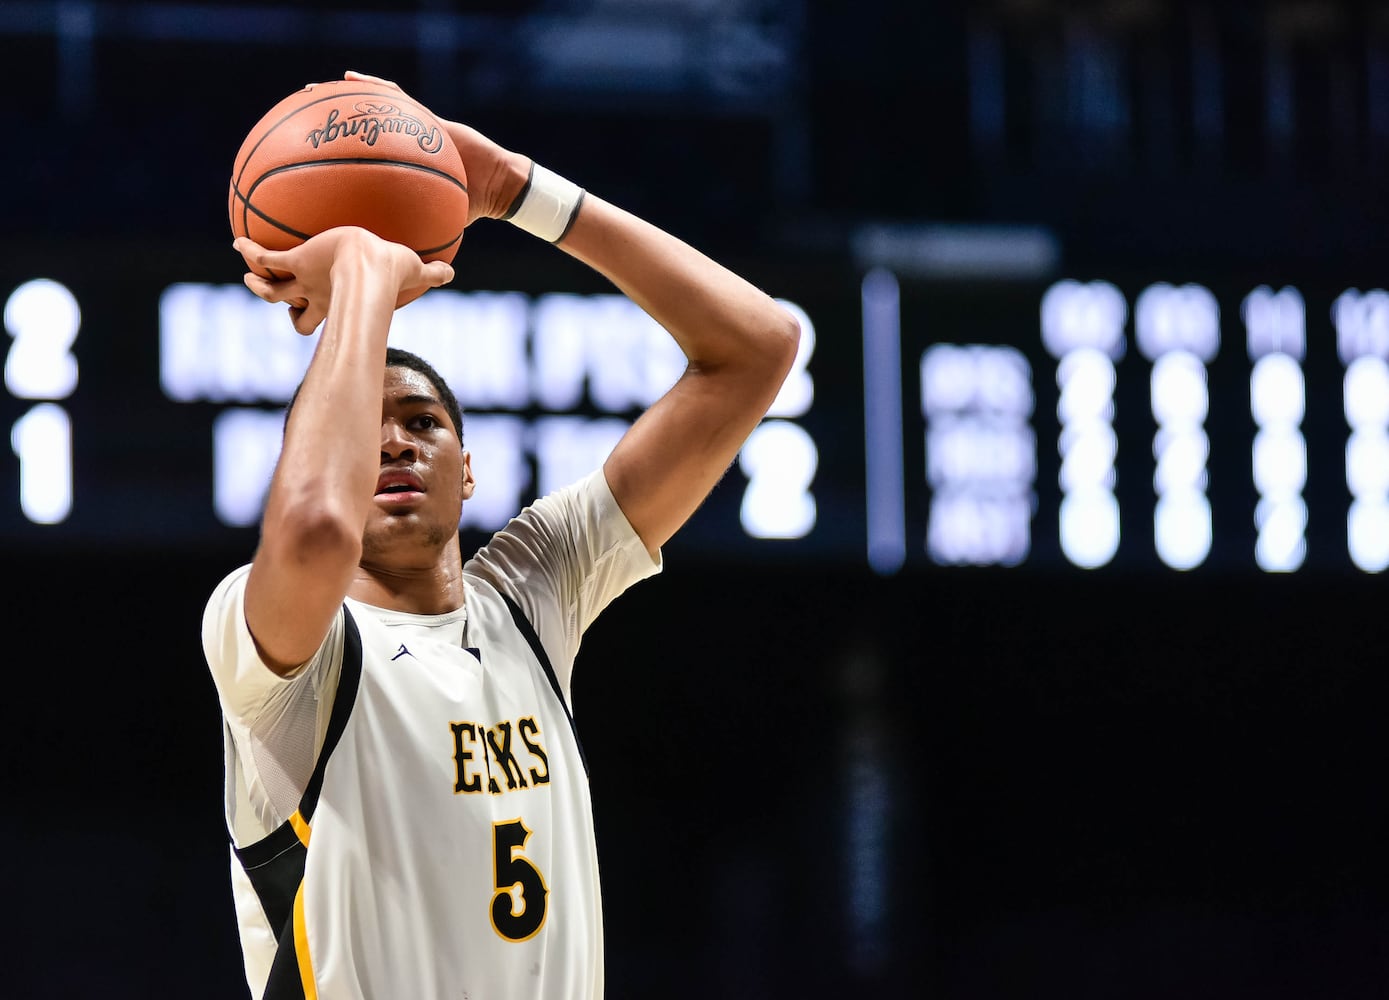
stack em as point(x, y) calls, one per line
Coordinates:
point(399, 358)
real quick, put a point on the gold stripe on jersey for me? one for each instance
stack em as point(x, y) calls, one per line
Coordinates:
point(301, 946)
point(301, 827)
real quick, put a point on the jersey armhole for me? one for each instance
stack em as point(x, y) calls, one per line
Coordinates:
point(527, 630)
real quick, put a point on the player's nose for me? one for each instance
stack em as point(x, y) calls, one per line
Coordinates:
point(396, 442)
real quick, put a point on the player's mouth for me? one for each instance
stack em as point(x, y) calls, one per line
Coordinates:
point(398, 486)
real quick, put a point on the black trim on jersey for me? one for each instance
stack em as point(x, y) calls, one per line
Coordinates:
point(343, 701)
point(528, 631)
point(284, 981)
point(275, 866)
point(275, 863)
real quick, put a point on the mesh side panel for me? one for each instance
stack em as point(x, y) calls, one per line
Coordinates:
point(282, 748)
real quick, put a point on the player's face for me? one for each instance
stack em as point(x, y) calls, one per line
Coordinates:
point(425, 475)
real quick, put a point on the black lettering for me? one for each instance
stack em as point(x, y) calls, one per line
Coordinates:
point(464, 734)
point(526, 728)
point(369, 124)
point(492, 785)
point(370, 127)
point(506, 761)
point(432, 141)
point(326, 133)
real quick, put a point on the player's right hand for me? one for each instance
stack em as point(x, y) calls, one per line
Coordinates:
point(309, 269)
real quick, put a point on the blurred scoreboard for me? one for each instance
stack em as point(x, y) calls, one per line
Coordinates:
point(1098, 422)
point(1139, 423)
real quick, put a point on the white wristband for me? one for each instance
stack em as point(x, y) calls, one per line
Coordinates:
point(547, 205)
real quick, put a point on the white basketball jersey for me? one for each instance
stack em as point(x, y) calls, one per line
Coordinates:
point(444, 844)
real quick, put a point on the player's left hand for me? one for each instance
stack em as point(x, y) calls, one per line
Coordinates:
point(496, 175)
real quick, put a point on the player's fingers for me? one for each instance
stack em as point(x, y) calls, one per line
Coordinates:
point(262, 287)
point(288, 291)
point(437, 273)
point(295, 314)
point(256, 256)
point(248, 248)
point(352, 74)
point(305, 318)
point(432, 275)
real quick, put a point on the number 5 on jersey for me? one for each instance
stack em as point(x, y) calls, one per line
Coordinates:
point(516, 915)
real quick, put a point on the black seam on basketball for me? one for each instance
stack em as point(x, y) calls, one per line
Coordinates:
point(245, 209)
point(339, 161)
point(245, 200)
point(276, 223)
point(426, 252)
point(319, 100)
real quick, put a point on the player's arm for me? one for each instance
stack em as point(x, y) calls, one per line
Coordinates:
point(739, 343)
point(321, 491)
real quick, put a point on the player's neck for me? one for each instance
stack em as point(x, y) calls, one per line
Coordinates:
point(433, 588)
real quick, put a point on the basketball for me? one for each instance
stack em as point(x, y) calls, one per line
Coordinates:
point(348, 153)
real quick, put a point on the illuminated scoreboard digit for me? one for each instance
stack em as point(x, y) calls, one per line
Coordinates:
point(42, 318)
point(1362, 343)
point(1083, 329)
point(1276, 335)
point(1178, 329)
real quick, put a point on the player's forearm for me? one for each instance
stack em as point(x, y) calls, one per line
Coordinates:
point(327, 471)
point(311, 532)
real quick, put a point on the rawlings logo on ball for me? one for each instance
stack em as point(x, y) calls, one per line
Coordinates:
point(370, 121)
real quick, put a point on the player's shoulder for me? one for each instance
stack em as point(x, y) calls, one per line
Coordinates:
point(573, 499)
point(492, 584)
point(234, 577)
point(581, 505)
point(557, 512)
point(228, 589)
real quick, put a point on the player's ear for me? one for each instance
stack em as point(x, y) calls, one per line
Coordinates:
point(468, 483)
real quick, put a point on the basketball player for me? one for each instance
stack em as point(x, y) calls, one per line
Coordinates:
point(406, 795)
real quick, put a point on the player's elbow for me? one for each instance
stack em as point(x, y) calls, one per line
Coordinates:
point(314, 535)
point(781, 340)
point(756, 357)
point(787, 335)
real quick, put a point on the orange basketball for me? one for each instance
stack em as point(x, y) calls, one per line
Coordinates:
point(347, 153)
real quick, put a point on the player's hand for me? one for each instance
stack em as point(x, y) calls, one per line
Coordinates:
point(308, 271)
point(496, 175)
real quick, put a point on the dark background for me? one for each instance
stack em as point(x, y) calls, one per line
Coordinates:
point(810, 780)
